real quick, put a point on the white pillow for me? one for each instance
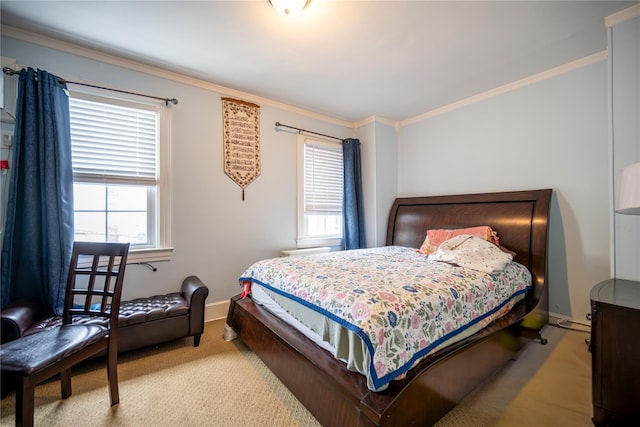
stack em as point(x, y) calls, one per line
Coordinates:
point(473, 252)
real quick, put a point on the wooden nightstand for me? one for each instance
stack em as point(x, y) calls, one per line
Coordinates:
point(615, 352)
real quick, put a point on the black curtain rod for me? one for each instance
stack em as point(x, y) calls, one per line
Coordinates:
point(278, 124)
point(10, 72)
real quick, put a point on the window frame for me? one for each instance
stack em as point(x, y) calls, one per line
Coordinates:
point(162, 248)
point(302, 240)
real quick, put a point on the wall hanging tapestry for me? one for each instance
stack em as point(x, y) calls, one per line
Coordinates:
point(241, 141)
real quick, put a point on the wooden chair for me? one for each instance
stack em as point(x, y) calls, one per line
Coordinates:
point(90, 325)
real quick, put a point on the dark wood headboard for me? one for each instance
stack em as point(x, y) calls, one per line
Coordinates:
point(520, 217)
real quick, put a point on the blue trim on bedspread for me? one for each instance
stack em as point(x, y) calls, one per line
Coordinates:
point(381, 381)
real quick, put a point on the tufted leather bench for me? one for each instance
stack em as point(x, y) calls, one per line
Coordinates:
point(142, 321)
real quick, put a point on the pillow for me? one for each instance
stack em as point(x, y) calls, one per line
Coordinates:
point(435, 237)
point(471, 251)
point(509, 251)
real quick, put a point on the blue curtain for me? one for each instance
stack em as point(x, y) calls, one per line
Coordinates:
point(352, 201)
point(36, 249)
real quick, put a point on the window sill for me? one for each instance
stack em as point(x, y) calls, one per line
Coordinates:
point(137, 256)
point(306, 251)
point(314, 243)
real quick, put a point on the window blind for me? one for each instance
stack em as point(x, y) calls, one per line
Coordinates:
point(112, 143)
point(323, 188)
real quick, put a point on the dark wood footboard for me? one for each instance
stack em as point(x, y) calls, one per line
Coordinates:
point(330, 392)
point(337, 397)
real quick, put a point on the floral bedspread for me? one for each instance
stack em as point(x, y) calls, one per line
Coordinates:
point(398, 302)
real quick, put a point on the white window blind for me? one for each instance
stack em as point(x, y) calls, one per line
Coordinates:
point(113, 143)
point(323, 169)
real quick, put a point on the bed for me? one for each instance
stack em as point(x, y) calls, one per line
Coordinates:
point(337, 396)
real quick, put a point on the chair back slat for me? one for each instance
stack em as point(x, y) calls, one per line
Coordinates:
point(95, 279)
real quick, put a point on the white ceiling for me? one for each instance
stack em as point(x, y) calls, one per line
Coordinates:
point(345, 59)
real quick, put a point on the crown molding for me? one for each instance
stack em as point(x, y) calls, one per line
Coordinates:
point(582, 62)
point(375, 119)
point(96, 55)
point(622, 16)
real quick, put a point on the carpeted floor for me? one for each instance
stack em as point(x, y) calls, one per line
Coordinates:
point(548, 385)
point(224, 384)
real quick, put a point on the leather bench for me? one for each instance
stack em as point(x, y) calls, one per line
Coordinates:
point(142, 321)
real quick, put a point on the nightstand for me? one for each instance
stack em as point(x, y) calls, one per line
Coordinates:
point(615, 352)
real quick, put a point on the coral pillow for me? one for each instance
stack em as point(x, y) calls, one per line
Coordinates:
point(435, 237)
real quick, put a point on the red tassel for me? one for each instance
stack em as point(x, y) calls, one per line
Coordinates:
point(243, 194)
point(246, 289)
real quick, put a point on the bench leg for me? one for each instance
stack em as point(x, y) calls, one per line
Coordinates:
point(196, 340)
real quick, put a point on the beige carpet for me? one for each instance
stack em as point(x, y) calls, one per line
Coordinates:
point(224, 384)
point(548, 385)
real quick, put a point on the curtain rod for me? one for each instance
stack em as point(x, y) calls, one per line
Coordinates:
point(10, 72)
point(278, 124)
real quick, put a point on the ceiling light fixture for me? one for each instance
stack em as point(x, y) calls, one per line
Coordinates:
point(289, 7)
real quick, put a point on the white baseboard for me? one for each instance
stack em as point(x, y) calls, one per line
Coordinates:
point(216, 310)
point(554, 318)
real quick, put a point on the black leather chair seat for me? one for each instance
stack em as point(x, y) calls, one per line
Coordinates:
point(34, 352)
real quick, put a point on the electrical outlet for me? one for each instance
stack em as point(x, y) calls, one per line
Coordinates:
point(7, 139)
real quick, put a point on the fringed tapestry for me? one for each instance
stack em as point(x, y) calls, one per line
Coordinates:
point(241, 141)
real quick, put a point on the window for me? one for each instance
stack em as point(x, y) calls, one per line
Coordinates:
point(320, 175)
point(121, 193)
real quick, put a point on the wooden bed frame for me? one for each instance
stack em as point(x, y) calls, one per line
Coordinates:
point(337, 397)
